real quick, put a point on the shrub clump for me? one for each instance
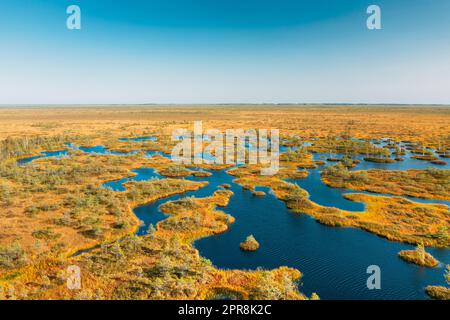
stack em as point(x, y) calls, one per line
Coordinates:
point(438, 292)
point(258, 193)
point(250, 244)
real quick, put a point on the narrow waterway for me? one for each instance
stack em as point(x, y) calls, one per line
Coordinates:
point(334, 260)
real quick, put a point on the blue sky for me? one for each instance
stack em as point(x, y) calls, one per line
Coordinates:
point(224, 51)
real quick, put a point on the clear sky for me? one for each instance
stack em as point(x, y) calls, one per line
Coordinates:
point(224, 51)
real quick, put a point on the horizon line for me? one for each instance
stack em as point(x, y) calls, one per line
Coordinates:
point(342, 104)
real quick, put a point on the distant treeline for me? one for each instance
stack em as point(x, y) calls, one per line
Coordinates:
point(19, 147)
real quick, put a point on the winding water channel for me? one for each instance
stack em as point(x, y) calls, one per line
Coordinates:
point(333, 260)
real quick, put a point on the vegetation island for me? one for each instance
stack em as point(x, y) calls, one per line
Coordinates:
point(250, 244)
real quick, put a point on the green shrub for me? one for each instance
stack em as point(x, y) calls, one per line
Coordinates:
point(121, 225)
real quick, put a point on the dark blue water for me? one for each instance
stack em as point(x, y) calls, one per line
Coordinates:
point(95, 150)
point(324, 195)
point(334, 260)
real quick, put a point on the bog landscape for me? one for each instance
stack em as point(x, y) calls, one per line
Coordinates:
point(93, 207)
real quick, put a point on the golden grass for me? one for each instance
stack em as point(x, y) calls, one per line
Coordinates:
point(438, 292)
point(427, 184)
point(394, 218)
point(163, 265)
point(412, 123)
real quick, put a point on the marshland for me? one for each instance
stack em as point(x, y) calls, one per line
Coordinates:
point(95, 187)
